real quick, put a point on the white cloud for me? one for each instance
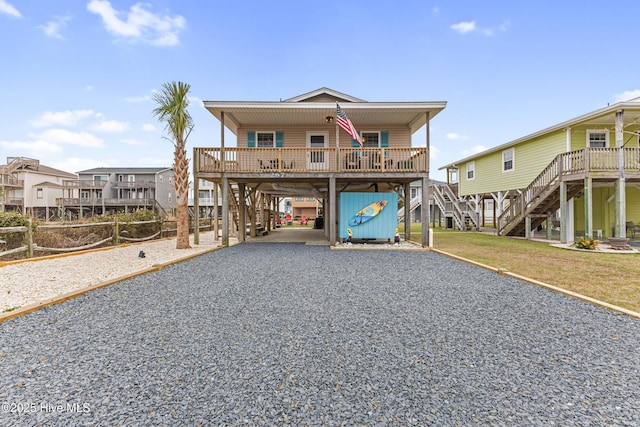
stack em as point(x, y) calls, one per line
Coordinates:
point(454, 136)
point(111, 126)
point(433, 152)
point(464, 27)
point(52, 28)
point(34, 148)
point(75, 164)
point(63, 118)
point(474, 150)
point(138, 98)
point(148, 127)
point(134, 142)
point(139, 23)
point(626, 95)
point(63, 136)
point(6, 7)
point(470, 26)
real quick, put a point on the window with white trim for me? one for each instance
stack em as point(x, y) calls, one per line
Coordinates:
point(101, 177)
point(471, 170)
point(370, 139)
point(265, 139)
point(508, 160)
point(39, 193)
point(597, 138)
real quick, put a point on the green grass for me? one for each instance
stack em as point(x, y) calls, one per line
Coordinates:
point(613, 278)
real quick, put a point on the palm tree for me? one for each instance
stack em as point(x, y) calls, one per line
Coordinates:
point(172, 109)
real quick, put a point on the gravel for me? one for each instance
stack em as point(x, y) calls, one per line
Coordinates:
point(288, 334)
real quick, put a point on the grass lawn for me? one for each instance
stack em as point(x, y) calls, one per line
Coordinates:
point(613, 278)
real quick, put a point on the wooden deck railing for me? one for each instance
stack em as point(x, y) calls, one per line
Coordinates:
point(584, 161)
point(348, 160)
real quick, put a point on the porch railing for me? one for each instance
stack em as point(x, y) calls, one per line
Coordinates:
point(584, 161)
point(348, 160)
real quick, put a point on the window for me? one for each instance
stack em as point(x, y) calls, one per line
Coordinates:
point(39, 193)
point(299, 199)
point(471, 170)
point(160, 178)
point(597, 138)
point(169, 198)
point(453, 176)
point(370, 139)
point(414, 193)
point(311, 199)
point(507, 160)
point(265, 139)
point(101, 178)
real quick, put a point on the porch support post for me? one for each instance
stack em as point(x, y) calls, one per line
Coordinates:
point(222, 162)
point(333, 220)
point(564, 212)
point(424, 213)
point(620, 196)
point(588, 208)
point(406, 187)
point(549, 225)
point(242, 214)
point(527, 227)
point(216, 226)
point(225, 211)
point(196, 199)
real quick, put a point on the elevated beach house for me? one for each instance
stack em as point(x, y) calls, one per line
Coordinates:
point(299, 147)
point(581, 175)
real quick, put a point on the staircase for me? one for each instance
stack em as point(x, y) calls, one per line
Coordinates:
point(413, 204)
point(537, 201)
point(462, 210)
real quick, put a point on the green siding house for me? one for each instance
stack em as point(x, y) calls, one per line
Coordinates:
point(583, 175)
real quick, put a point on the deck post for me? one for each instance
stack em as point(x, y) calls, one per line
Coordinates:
point(216, 226)
point(406, 189)
point(588, 208)
point(333, 219)
point(225, 211)
point(527, 227)
point(196, 198)
point(620, 196)
point(424, 212)
point(564, 212)
point(242, 214)
point(549, 226)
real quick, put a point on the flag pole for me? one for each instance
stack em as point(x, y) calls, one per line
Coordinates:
point(337, 141)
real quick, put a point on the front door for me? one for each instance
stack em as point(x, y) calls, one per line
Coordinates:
point(317, 159)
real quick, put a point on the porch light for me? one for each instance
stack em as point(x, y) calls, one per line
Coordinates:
point(328, 119)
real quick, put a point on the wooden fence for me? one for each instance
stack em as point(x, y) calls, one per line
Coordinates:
point(118, 234)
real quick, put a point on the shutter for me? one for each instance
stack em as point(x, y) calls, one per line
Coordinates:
point(354, 143)
point(251, 139)
point(384, 139)
point(279, 139)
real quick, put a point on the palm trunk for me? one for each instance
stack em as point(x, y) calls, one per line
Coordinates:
point(181, 181)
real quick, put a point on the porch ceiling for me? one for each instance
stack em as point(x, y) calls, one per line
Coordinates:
point(362, 114)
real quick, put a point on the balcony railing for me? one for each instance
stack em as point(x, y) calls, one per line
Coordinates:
point(301, 160)
point(10, 180)
point(97, 201)
point(134, 184)
point(84, 183)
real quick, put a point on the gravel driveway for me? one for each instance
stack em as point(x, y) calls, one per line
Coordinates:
point(288, 334)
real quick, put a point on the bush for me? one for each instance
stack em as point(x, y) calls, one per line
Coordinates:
point(13, 219)
point(587, 243)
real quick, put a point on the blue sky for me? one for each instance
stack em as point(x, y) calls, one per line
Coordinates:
point(77, 76)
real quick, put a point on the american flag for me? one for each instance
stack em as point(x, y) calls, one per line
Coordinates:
point(344, 122)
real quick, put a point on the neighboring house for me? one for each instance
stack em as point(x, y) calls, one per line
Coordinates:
point(581, 175)
point(28, 187)
point(294, 148)
point(207, 192)
point(306, 206)
point(124, 189)
point(415, 204)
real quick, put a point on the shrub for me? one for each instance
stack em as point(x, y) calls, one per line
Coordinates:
point(587, 243)
point(13, 219)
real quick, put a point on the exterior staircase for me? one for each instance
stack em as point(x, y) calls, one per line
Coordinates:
point(461, 210)
point(537, 201)
point(414, 203)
